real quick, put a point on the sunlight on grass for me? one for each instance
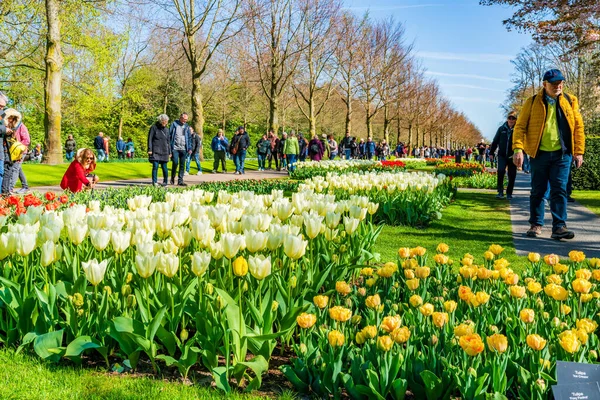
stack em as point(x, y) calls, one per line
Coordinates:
point(589, 198)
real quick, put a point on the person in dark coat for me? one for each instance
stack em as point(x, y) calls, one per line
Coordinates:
point(181, 148)
point(315, 149)
point(239, 145)
point(273, 155)
point(503, 142)
point(120, 148)
point(159, 148)
point(196, 143)
point(70, 147)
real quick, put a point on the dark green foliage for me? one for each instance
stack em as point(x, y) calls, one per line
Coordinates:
point(588, 176)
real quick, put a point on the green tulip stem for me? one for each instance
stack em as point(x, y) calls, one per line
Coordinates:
point(172, 291)
point(147, 295)
point(96, 301)
point(242, 321)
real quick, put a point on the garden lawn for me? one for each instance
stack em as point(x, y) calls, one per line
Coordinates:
point(589, 198)
point(51, 175)
point(469, 225)
point(26, 377)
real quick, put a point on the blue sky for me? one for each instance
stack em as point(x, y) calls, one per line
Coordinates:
point(463, 45)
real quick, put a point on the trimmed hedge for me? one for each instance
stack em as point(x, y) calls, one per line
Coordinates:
point(588, 176)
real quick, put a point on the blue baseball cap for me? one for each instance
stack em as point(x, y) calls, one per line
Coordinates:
point(553, 75)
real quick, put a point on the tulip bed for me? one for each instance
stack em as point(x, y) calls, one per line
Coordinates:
point(461, 169)
point(418, 326)
point(309, 169)
point(483, 180)
point(196, 279)
point(413, 199)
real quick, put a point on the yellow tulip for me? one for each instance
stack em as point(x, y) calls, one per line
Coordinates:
point(306, 321)
point(479, 298)
point(442, 248)
point(404, 252)
point(534, 287)
point(534, 257)
point(390, 323)
point(587, 325)
point(385, 272)
point(576, 256)
point(427, 309)
point(527, 315)
point(439, 319)
point(463, 329)
point(565, 309)
point(497, 343)
point(418, 251)
point(441, 259)
point(594, 262)
point(340, 313)
point(496, 249)
point(336, 338)
point(464, 293)
point(471, 344)
point(583, 274)
point(373, 301)
point(369, 331)
point(415, 300)
point(501, 263)
point(488, 255)
point(343, 288)
point(240, 266)
point(517, 291)
point(321, 301)
point(412, 284)
point(384, 343)
point(400, 335)
point(596, 274)
point(409, 274)
point(560, 268)
point(536, 342)
point(422, 272)
point(484, 273)
point(450, 306)
point(366, 271)
point(360, 338)
point(581, 285)
point(569, 341)
point(551, 259)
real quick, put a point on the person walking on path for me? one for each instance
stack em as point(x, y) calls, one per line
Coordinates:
point(219, 146)
point(273, 153)
point(280, 153)
point(16, 132)
point(120, 148)
point(263, 148)
point(326, 148)
point(130, 148)
point(239, 145)
point(370, 148)
point(333, 147)
point(99, 146)
point(503, 142)
point(550, 131)
point(303, 147)
point(70, 147)
point(291, 151)
point(315, 149)
point(106, 147)
point(196, 143)
point(179, 137)
point(347, 146)
point(159, 148)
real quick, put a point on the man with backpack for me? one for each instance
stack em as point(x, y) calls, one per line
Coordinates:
point(550, 130)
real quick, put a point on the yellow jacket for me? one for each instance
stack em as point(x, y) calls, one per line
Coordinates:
point(528, 130)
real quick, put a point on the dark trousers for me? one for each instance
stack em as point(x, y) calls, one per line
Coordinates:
point(503, 164)
point(219, 158)
point(273, 156)
point(179, 157)
point(549, 168)
point(165, 171)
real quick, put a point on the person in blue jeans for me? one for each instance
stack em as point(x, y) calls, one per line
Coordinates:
point(195, 155)
point(291, 151)
point(550, 130)
point(179, 136)
point(503, 142)
point(159, 148)
point(99, 146)
point(239, 144)
point(3, 103)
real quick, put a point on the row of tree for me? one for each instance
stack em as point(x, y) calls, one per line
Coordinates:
point(80, 67)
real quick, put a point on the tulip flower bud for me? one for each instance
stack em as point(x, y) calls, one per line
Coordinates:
point(555, 322)
point(493, 329)
point(545, 315)
point(108, 290)
point(303, 348)
point(209, 289)
point(125, 290)
point(593, 355)
point(183, 335)
point(356, 319)
point(46, 289)
point(362, 291)
point(349, 303)
point(80, 312)
point(78, 300)
point(129, 277)
point(343, 248)
point(541, 384)
point(245, 286)
point(220, 303)
point(335, 258)
point(293, 281)
point(274, 306)
point(434, 340)
point(131, 301)
point(472, 371)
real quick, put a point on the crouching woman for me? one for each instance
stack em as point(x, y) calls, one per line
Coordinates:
point(79, 175)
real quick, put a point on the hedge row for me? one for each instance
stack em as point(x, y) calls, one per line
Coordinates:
point(588, 176)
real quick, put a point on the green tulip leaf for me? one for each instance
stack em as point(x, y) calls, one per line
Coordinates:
point(433, 385)
point(47, 346)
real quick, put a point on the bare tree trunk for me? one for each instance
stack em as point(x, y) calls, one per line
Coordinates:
point(273, 110)
point(386, 123)
point(398, 132)
point(349, 114)
point(52, 86)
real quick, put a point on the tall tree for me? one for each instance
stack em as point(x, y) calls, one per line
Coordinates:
point(275, 26)
point(53, 83)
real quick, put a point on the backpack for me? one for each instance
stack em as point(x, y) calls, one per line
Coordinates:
point(15, 148)
point(314, 148)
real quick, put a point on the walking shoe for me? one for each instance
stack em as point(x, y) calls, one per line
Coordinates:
point(199, 173)
point(172, 183)
point(534, 231)
point(214, 171)
point(570, 199)
point(182, 184)
point(164, 184)
point(500, 196)
point(509, 197)
point(186, 173)
point(562, 233)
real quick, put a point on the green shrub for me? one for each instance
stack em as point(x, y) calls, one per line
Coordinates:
point(588, 176)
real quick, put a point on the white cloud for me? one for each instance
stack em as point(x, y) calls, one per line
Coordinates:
point(475, 99)
point(460, 85)
point(468, 76)
point(468, 57)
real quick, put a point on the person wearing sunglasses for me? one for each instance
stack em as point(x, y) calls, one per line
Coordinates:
point(503, 142)
point(550, 131)
point(79, 175)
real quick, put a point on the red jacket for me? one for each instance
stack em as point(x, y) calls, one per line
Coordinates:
point(74, 178)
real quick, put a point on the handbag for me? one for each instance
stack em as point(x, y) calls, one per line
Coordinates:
point(15, 149)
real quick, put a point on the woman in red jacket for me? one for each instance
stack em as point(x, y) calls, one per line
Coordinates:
point(79, 174)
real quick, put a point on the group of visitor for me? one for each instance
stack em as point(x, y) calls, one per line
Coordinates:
point(125, 149)
point(15, 145)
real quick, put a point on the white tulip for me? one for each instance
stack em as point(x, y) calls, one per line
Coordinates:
point(216, 250)
point(350, 225)
point(121, 240)
point(259, 266)
point(145, 247)
point(8, 245)
point(25, 243)
point(332, 219)
point(275, 237)
point(145, 264)
point(141, 236)
point(48, 253)
point(294, 247)
point(312, 223)
point(169, 246)
point(168, 264)
point(94, 271)
point(181, 236)
point(100, 238)
point(255, 240)
point(164, 223)
point(199, 228)
point(200, 262)
point(77, 233)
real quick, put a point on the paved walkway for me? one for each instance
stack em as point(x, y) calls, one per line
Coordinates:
point(189, 179)
point(584, 223)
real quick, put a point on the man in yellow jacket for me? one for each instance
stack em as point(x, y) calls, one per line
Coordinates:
point(550, 130)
